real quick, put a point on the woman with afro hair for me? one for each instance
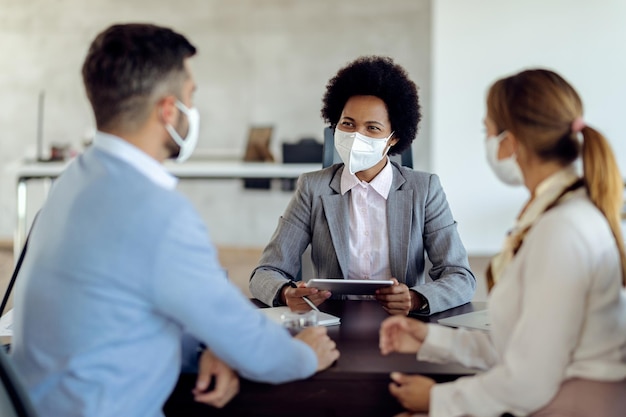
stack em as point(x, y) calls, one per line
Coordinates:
point(368, 217)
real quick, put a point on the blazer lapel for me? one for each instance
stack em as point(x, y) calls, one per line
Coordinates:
point(337, 212)
point(399, 223)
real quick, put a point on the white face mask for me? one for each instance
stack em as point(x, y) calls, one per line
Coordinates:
point(359, 152)
point(507, 170)
point(188, 144)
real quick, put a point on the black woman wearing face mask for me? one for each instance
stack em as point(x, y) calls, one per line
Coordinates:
point(368, 217)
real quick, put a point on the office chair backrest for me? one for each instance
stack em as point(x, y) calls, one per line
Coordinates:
point(306, 150)
point(14, 401)
point(330, 155)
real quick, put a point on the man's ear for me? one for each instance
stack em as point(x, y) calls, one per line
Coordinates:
point(167, 111)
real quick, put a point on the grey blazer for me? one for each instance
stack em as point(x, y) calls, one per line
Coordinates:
point(419, 220)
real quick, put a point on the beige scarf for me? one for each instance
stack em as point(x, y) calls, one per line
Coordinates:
point(549, 193)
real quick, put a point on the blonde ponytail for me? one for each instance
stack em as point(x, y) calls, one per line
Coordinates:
point(604, 184)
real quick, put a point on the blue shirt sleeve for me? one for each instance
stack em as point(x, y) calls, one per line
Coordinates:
point(191, 288)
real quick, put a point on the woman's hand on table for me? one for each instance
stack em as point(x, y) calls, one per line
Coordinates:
point(401, 334)
point(411, 391)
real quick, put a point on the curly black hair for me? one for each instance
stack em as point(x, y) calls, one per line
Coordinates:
point(376, 76)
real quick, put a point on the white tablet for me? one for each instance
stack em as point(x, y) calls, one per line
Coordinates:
point(349, 286)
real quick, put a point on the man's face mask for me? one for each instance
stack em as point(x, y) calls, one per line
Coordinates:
point(188, 144)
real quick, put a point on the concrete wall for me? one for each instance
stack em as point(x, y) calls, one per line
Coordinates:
point(267, 61)
point(476, 42)
point(259, 62)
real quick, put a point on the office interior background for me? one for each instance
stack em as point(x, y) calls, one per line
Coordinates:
point(266, 62)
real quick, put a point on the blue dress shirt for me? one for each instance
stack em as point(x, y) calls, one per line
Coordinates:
point(119, 266)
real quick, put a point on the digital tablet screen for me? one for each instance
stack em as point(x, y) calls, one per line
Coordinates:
point(349, 286)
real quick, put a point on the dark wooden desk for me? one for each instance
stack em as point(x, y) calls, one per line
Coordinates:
point(357, 385)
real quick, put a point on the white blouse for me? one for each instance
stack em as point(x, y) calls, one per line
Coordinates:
point(557, 312)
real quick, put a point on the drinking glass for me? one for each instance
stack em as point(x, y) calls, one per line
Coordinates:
point(295, 322)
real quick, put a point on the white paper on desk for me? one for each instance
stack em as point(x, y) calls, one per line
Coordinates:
point(478, 320)
point(323, 319)
point(6, 324)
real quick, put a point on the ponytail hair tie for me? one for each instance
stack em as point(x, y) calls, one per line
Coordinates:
point(578, 124)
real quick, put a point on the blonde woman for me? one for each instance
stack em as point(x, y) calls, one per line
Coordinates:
point(558, 309)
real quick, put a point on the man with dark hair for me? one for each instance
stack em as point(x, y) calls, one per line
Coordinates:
point(120, 265)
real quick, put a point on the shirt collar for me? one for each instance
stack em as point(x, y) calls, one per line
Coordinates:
point(557, 181)
point(135, 157)
point(547, 191)
point(381, 182)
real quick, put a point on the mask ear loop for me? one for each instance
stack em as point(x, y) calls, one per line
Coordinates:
point(170, 129)
point(388, 147)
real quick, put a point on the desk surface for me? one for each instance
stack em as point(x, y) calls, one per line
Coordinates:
point(356, 385)
point(187, 170)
